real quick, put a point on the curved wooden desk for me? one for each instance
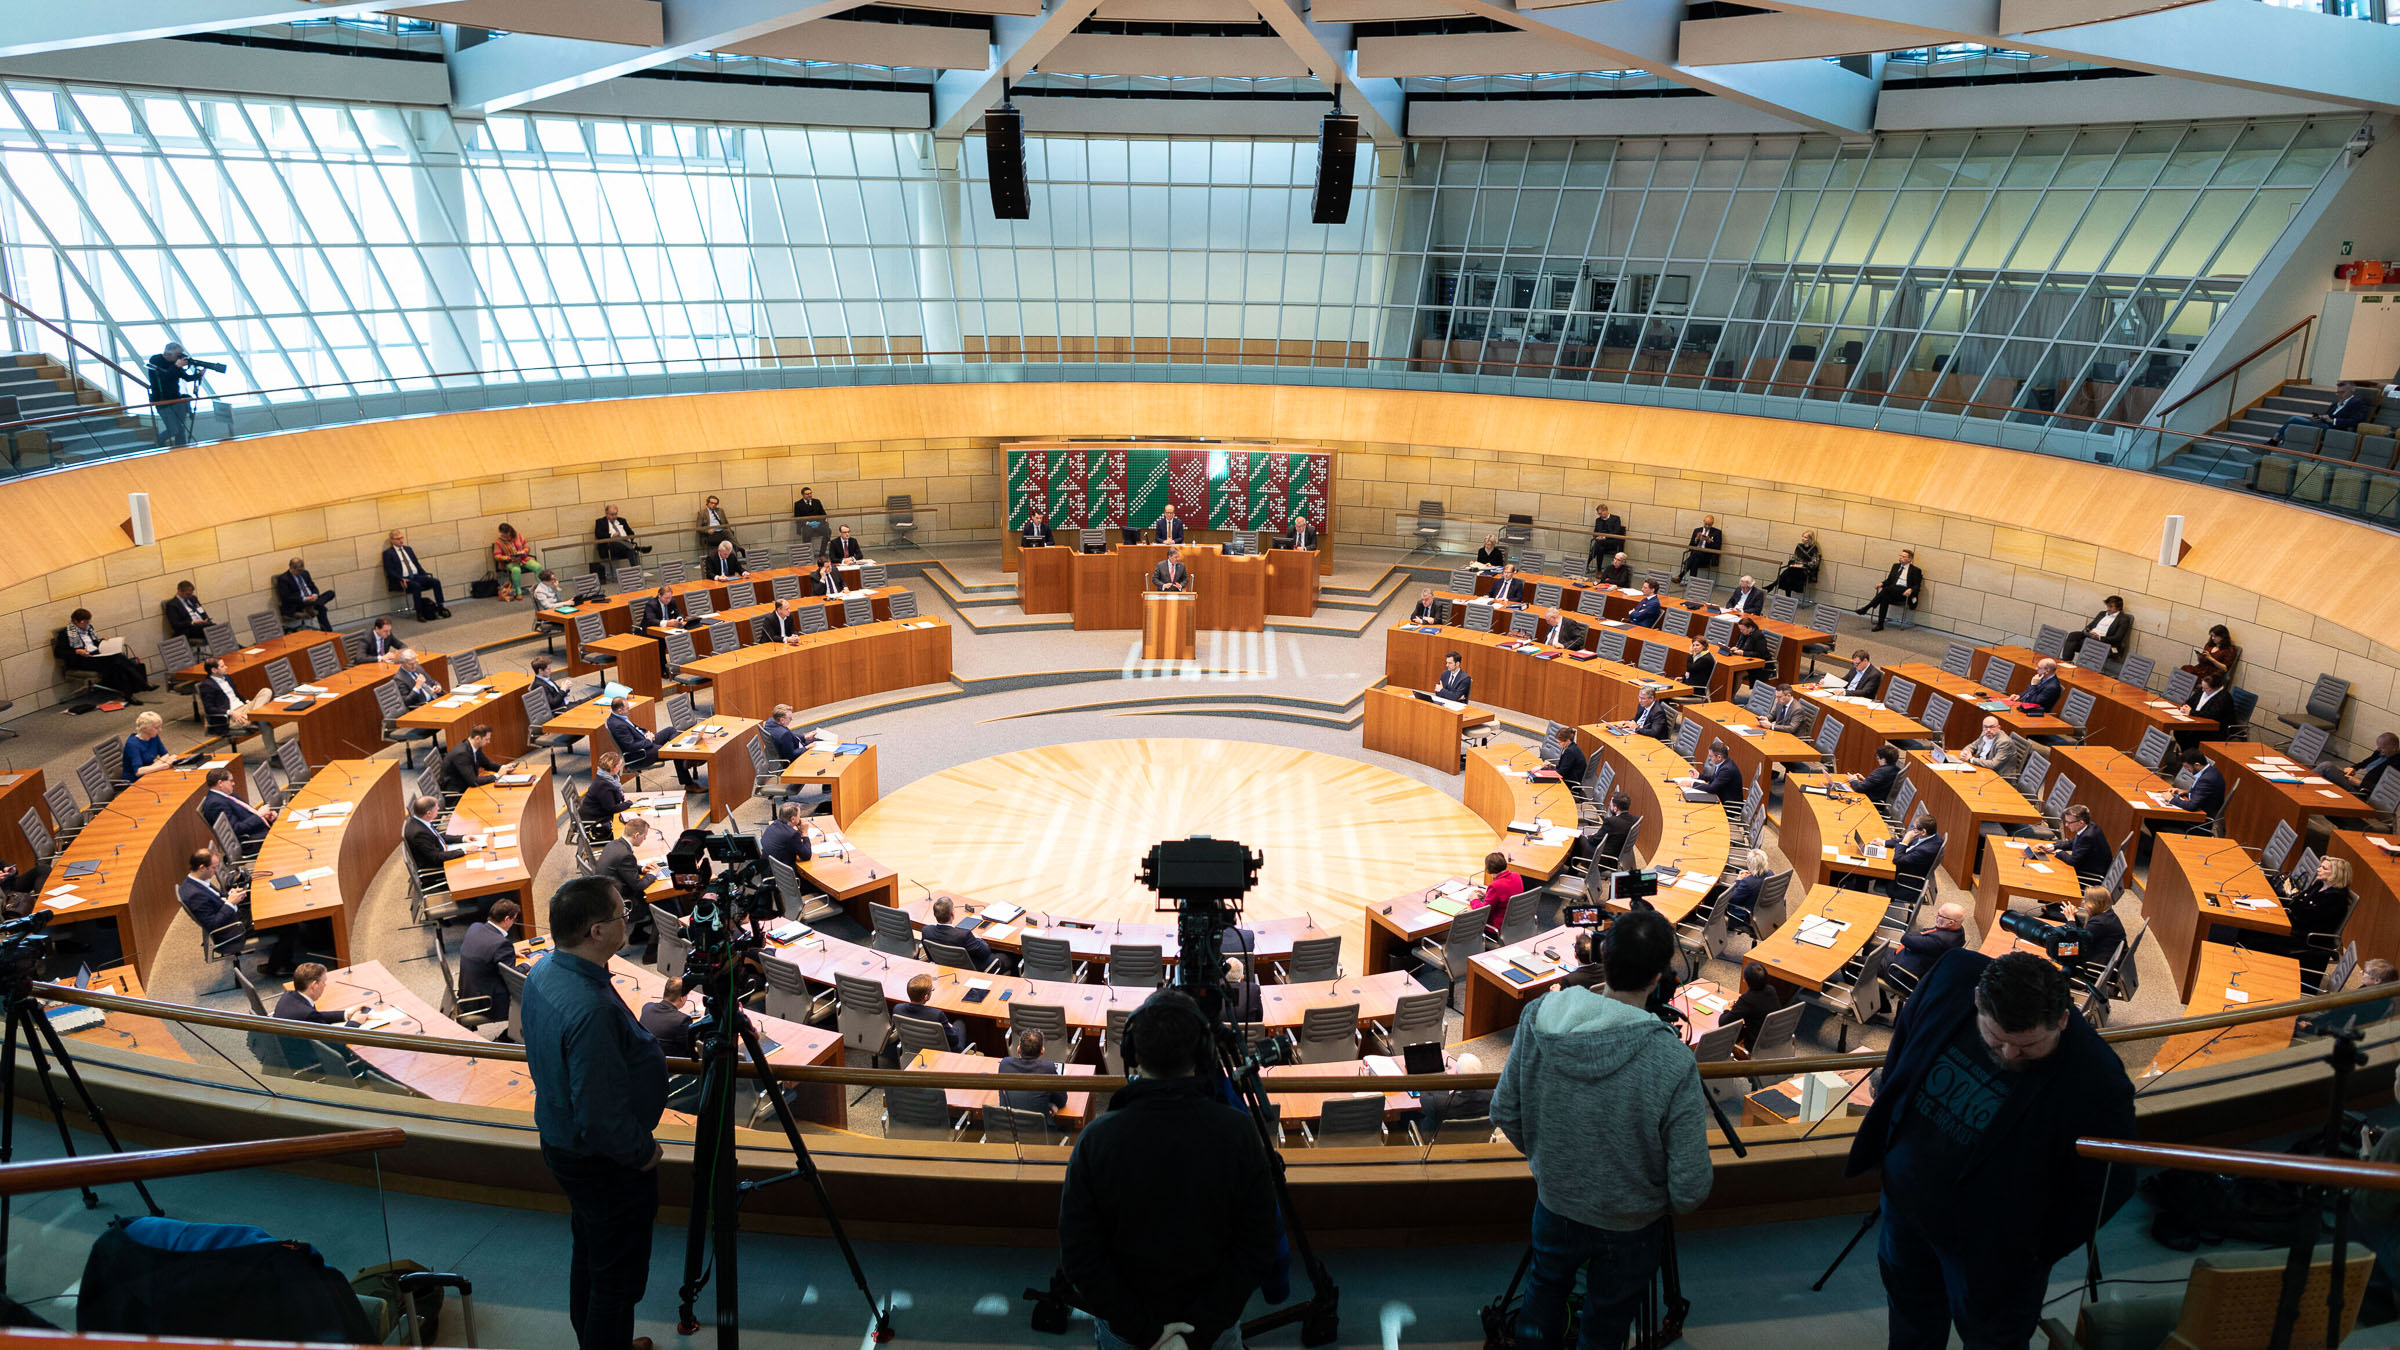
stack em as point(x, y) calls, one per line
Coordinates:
point(1499, 790)
point(344, 722)
point(246, 666)
point(1597, 603)
point(500, 705)
point(1866, 725)
point(1751, 746)
point(1271, 939)
point(141, 844)
point(2194, 881)
point(1526, 677)
point(21, 792)
point(1502, 981)
point(1806, 964)
point(520, 826)
point(1820, 834)
point(1693, 837)
point(1963, 798)
point(2121, 712)
point(616, 612)
point(1965, 722)
point(829, 667)
point(346, 820)
point(1228, 592)
point(2116, 788)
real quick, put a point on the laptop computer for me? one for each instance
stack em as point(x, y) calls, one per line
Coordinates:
point(1423, 1057)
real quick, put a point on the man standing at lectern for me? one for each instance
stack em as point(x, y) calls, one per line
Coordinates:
point(1171, 575)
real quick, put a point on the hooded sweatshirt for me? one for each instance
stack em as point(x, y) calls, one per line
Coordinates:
point(1604, 1101)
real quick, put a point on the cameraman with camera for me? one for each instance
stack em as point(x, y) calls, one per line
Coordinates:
point(167, 371)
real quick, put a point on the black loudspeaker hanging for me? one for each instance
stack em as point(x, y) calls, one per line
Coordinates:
point(1337, 164)
point(1004, 146)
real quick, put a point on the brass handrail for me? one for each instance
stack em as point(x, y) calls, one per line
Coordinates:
point(2257, 352)
point(2347, 1173)
point(108, 1169)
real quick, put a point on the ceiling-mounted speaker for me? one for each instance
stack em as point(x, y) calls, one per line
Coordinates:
point(1004, 147)
point(1337, 164)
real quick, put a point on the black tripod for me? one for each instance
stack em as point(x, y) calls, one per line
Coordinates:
point(26, 1019)
point(725, 1035)
point(2346, 1059)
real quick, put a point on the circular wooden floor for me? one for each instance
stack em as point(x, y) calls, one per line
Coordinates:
point(1063, 829)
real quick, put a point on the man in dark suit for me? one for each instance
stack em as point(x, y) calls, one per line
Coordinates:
point(2043, 694)
point(405, 573)
point(1919, 950)
point(1428, 610)
point(428, 847)
point(560, 692)
point(783, 838)
point(297, 595)
point(1171, 574)
point(1616, 829)
point(1645, 611)
point(1038, 533)
point(1569, 632)
point(618, 863)
point(1747, 598)
point(382, 642)
point(1866, 678)
point(221, 922)
point(638, 747)
point(1651, 716)
point(661, 611)
point(1898, 587)
point(726, 562)
point(1573, 764)
point(2361, 778)
point(808, 515)
point(1608, 536)
point(2111, 627)
point(844, 548)
point(2349, 408)
point(1914, 856)
point(1702, 551)
point(416, 687)
point(666, 1021)
point(487, 947)
point(613, 538)
point(2206, 794)
point(299, 1003)
point(249, 823)
point(1618, 572)
point(790, 744)
point(920, 1006)
point(1169, 529)
point(186, 616)
point(217, 696)
point(780, 625)
point(1248, 1004)
point(466, 766)
point(1304, 534)
point(1456, 684)
point(1508, 588)
point(1876, 784)
point(1700, 665)
point(1025, 1046)
point(944, 931)
point(1720, 777)
point(2079, 845)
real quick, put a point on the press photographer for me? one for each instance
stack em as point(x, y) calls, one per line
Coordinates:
point(168, 370)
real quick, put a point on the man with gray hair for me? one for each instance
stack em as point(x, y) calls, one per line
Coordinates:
point(168, 370)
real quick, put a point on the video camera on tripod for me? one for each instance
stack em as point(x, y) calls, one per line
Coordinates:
point(2062, 942)
point(23, 945)
point(726, 874)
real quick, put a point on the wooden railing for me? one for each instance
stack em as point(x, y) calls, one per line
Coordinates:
point(108, 1169)
point(2345, 1173)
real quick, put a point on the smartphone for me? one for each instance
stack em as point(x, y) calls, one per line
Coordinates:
point(1007, 994)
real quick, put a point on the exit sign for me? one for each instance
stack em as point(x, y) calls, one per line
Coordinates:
point(2345, 248)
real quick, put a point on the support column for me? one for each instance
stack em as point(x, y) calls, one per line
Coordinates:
point(937, 208)
point(444, 233)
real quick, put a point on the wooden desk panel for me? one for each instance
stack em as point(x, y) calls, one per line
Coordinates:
point(850, 780)
point(1397, 722)
point(973, 1100)
point(246, 666)
point(2192, 882)
point(2224, 971)
point(130, 1032)
point(1105, 590)
point(1045, 581)
point(2257, 804)
point(1498, 791)
point(1961, 802)
point(1693, 837)
point(1730, 669)
point(2121, 712)
point(2116, 788)
point(589, 719)
point(1966, 714)
point(1817, 832)
point(1229, 592)
point(1494, 1002)
point(2374, 922)
point(1292, 581)
point(829, 667)
point(142, 843)
point(1168, 621)
point(502, 709)
point(1805, 964)
point(461, 1080)
point(1510, 674)
point(2008, 873)
point(1751, 747)
point(20, 792)
point(1865, 727)
point(531, 809)
point(343, 723)
point(355, 845)
point(638, 665)
point(1400, 923)
point(731, 778)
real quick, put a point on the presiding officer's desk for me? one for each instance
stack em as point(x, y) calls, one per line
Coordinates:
point(2121, 712)
point(1523, 676)
point(2196, 883)
point(344, 822)
point(1229, 590)
point(1821, 834)
point(828, 667)
point(1500, 791)
point(616, 612)
point(1693, 837)
point(141, 845)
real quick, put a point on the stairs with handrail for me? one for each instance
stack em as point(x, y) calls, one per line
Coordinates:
point(43, 388)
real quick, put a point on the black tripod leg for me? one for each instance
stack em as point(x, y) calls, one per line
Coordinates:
point(1864, 1228)
point(58, 1108)
point(8, 1128)
point(696, 1235)
point(83, 1095)
point(816, 1183)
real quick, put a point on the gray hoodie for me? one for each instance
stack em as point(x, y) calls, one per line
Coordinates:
point(1604, 1100)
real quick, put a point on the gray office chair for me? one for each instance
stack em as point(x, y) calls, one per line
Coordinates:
point(919, 1113)
point(1327, 1034)
point(893, 935)
point(864, 1020)
point(1048, 958)
point(1136, 966)
point(1313, 960)
point(1060, 1043)
point(1349, 1122)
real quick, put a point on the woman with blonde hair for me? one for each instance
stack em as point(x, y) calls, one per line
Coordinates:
point(145, 749)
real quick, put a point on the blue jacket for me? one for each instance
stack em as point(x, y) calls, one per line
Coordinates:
point(783, 841)
point(2043, 693)
point(2029, 1194)
point(1458, 686)
point(631, 741)
point(785, 740)
point(140, 753)
point(247, 824)
point(600, 1081)
point(2207, 792)
point(1920, 858)
point(1657, 723)
point(1644, 614)
point(206, 904)
point(2087, 853)
point(1725, 781)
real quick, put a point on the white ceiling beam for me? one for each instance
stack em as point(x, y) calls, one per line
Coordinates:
point(1786, 37)
point(2033, 16)
point(1331, 55)
point(962, 97)
point(519, 68)
point(34, 28)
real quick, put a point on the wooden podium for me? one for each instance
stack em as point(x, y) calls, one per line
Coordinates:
point(1167, 625)
point(1399, 723)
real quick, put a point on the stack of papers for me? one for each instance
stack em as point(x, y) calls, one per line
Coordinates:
point(1383, 1066)
point(379, 1019)
point(1694, 881)
point(1001, 933)
point(1818, 931)
point(1003, 912)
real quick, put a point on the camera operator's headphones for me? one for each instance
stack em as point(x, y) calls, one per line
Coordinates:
point(1184, 1020)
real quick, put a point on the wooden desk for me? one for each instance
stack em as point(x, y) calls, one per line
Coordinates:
point(501, 707)
point(2374, 922)
point(530, 810)
point(1694, 837)
point(2116, 788)
point(460, 1080)
point(637, 667)
point(1309, 1107)
point(1865, 727)
point(1498, 791)
point(616, 612)
point(142, 844)
point(2010, 872)
point(2121, 712)
point(2258, 803)
point(1401, 923)
point(246, 666)
point(973, 1100)
point(1676, 658)
point(1167, 622)
point(1609, 602)
point(354, 844)
point(1805, 964)
point(1493, 1001)
point(1962, 798)
point(2186, 871)
point(2224, 971)
point(1090, 940)
point(345, 722)
point(21, 792)
point(1044, 583)
point(1105, 590)
point(849, 779)
point(794, 1042)
point(829, 667)
point(1229, 591)
point(1758, 1110)
point(589, 720)
point(1526, 677)
point(1292, 581)
point(130, 1032)
point(722, 745)
point(1399, 723)
point(1751, 746)
point(1966, 711)
point(1816, 832)
point(849, 878)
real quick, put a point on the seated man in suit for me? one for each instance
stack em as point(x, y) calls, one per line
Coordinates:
point(1914, 856)
point(466, 766)
point(1025, 1046)
point(382, 643)
point(1456, 684)
point(1618, 572)
point(782, 742)
point(1037, 533)
point(546, 591)
point(428, 847)
point(1616, 830)
point(1700, 665)
point(2103, 929)
point(2361, 778)
point(618, 863)
point(186, 616)
point(2206, 794)
point(1508, 588)
point(1787, 712)
point(844, 548)
point(637, 746)
point(296, 594)
point(808, 515)
point(1752, 641)
point(1427, 610)
point(666, 1021)
point(614, 539)
point(780, 624)
point(784, 839)
point(1747, 598)
point(217, 912)
point(1876, 784)
point(1702, 551)
point(654, 616)
point(404, 573)
point(944, 931)
point(1171, 574)
point(2348, 409)
point(488, 946)
point(1304, 535)
point(715, 526)
point(1992, 749)
point(299, 1003)
point(1865, 679)
point(827, 579)
point(2079, 845)
point(606, 796)
point(1568, 631)
point(249, 823)
point(1719, 776)
point(1651, 716)
point(1919, 950)
point(1645, 611)
point(727, 561)
point(1169, 529)
point(416, 687)
point(1452, 1103)
point(1247, 1005)
point(1899, 586)
point(561, 693)
point(2110, 627)
point(919, 1005)
point(2043, 694)
point(217, 697)
point(1573, 764)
